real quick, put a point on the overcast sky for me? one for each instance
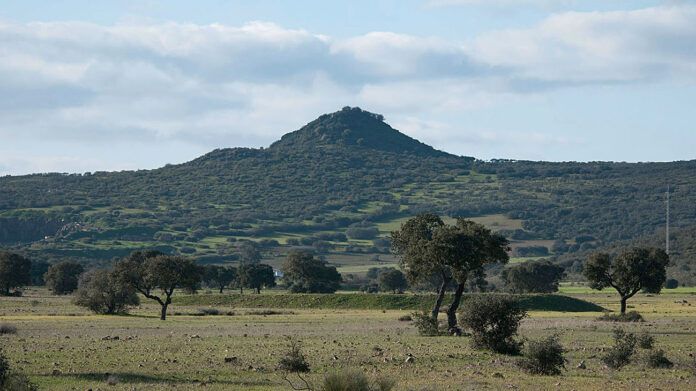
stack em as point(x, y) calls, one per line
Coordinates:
point(97, 85)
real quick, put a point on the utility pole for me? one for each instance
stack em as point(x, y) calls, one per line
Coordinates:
point(667, 227)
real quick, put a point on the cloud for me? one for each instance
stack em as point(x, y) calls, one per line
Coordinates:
point(215, 85)
point(597, 47)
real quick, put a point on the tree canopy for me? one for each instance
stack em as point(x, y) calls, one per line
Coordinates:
point(304, 273)
point(15, 272)
point(62, 277)
point(103, 292)
point(633, 270)
point(533, 276)
point(151, 272)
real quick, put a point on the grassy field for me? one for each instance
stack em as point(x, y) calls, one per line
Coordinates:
point(63, 347)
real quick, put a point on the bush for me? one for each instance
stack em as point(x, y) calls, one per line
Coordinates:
point(657, 359)
point(208, 311)
point(354, 380)
point(6, 328)
point(631, 316)
point(293, 361)
point(543, 357)
point(493, 321)
point(426, 325)
point(12, 380)
point(62, 278)
point(671, 283)
point(645, 341)
point(104, 293)
point(619, 355)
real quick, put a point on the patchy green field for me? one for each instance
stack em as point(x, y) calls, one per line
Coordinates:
point(63, 347)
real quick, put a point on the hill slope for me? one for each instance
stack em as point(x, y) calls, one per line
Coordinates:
point(339, 184)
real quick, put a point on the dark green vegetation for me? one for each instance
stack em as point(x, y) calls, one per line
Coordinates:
point(339, 185)
point(303, 273)
point(15, 272)
point(533, 276)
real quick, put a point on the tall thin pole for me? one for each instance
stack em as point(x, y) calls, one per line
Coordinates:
point(667, 227)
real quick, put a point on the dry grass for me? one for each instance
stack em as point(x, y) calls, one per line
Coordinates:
point(62, 347)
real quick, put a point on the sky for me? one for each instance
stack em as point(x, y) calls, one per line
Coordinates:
point(120, 85)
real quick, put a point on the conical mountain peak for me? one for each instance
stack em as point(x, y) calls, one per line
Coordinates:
point(353, 127)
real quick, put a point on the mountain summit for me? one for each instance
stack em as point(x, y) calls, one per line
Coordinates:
point(353, 126)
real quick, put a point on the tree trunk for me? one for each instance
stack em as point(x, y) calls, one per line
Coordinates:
point(440, 297)
point(623, 305)
point(163, 315)
point(241, 290)
point(452, 310)
point(221, 288)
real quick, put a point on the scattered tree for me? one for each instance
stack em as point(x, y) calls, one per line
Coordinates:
point(304, 273)
point(15, 272)
point(151, 271)
point(102, 292)
point(409, 243)
point(392, 280)
point(62, 278)
point(426, 247)
point(256, 276)
point(628, 273)
point(533, 276)
point(38, 269)
point(220, 276)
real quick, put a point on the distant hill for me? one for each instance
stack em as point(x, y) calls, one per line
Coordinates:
point(339, 184)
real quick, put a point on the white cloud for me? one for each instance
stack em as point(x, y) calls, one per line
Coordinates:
point(617, 46)
point(216, 85)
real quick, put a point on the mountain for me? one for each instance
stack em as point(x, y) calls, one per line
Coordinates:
point(340, 184)
point(355, 128)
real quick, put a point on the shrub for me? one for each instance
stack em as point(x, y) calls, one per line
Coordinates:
point(657, 359)
point(619, 355)
point(62, 278)
point(208, 311)
point(12, 380)
point(293, 361)
point(543, 357)
point(354, 380)
point(671, 283)
point(645, 341)
point(6, 328)
point(425, 324)
point(103, 293)
point(631, 316)
point(493, 321)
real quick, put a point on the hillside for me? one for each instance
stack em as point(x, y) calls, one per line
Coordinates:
point(339, 184)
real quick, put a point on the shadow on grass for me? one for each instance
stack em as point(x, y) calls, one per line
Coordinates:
point(531, 302)
point(139, 378)
point(558, 303)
